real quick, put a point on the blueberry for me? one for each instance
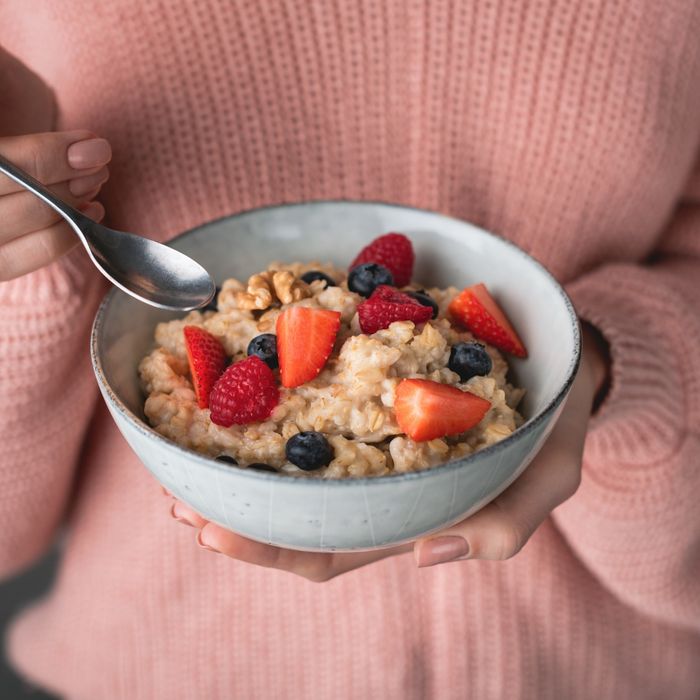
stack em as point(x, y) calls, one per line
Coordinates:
point(469, 360)
point(424, 299)
point(226, 458)
point(211, 306)
point(262, 467)
point(265, 347)
point(364, 279)
point(309, 450)
point(313, 275)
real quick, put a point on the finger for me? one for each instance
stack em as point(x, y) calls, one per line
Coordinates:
point(314, 566)
point(186, 515)
point(34, 250)
point(23, 212)
point(500, 529)
point(54, 157)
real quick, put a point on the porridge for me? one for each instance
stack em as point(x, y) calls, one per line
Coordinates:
point(309, 369)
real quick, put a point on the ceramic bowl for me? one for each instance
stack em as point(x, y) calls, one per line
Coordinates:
point(352, 514)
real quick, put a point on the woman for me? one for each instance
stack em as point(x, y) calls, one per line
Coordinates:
point(570, 128)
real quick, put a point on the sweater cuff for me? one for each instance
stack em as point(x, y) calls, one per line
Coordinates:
point(643, 418)
point(67, 277)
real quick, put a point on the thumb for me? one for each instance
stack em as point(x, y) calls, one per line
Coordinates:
point(501, 528)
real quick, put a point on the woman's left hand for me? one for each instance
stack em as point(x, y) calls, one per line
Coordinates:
point(497, 531)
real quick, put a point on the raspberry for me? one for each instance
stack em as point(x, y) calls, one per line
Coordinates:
point(245, 393)
point(392, 250)
point(387, 305)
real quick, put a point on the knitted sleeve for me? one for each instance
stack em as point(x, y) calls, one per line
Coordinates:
point(635, 521)
point(47, 395)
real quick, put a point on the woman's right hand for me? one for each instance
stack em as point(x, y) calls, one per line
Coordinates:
point(73, 164)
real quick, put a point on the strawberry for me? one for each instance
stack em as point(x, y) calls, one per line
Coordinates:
point(475, 309)
point(427, 410)
point(207, 359)
point(245, 393)
point(387, 305)
point(394, 251)
point(305, 339)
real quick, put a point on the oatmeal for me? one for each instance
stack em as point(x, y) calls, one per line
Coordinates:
point(310, 370)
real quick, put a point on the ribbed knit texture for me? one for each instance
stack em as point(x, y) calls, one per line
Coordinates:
point(568, 127)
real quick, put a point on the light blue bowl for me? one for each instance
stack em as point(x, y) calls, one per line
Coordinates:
point(352, 514)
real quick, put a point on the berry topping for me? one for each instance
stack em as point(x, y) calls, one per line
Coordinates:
point(211, 306)
point(245, 393)
point(364, 279)
point(226, 458)
point(427, 410)
point(207, 359)
point(476, 310)
point(309, 450)
point(262, 467)
point(422, 297)
point(265, 347)
point(395, 252)
point(305, 339)
point(387, 305)
point(313, 275)
point(469, 360)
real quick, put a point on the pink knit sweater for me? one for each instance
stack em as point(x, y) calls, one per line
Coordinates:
point(568, 127)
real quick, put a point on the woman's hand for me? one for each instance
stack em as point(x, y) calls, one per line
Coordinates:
point(497, 531)
point(74, 166)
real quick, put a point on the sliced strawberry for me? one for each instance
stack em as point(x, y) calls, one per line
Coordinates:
point(305, 339)
point(394, 251)
point(207, 359)
point(427, 410)
point(387, 305)
point(245, 393)
point(475, 309)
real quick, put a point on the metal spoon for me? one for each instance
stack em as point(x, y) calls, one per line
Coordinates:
point(152, 272)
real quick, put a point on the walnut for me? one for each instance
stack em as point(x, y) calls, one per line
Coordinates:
point(288, 288)
point(268, 320)
point(258, 294)
point(270, 287)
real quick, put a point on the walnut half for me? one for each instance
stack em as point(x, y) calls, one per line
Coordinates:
point(271, 287)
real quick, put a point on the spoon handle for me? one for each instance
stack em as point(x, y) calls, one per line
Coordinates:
point(71, 215)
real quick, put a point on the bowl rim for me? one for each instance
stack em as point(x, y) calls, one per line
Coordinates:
point(446, 467)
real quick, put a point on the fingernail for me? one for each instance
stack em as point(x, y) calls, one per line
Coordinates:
point(176, 512)
point(441, 549)
point(93, 210)
point(83, 185)
point(203, 545)
point(89, 153)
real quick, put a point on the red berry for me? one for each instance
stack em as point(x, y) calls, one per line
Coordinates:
point(387, 305)
point(476, 310)
point(394, 251)
point(305, 339)
point(245, 393)
point(207, 359)
point(427, 410)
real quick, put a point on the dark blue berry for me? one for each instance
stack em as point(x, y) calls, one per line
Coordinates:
point(313, 275)
point(211, 306)
point(309, 450)
point(364, 279)
point(424, 299)
point(262, 467)
point(226, 458)
point(265, 347)
point(469, 360)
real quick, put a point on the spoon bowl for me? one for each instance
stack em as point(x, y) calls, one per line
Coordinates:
point(149, 271)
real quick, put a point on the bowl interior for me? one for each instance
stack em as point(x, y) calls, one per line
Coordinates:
point(448, 252)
